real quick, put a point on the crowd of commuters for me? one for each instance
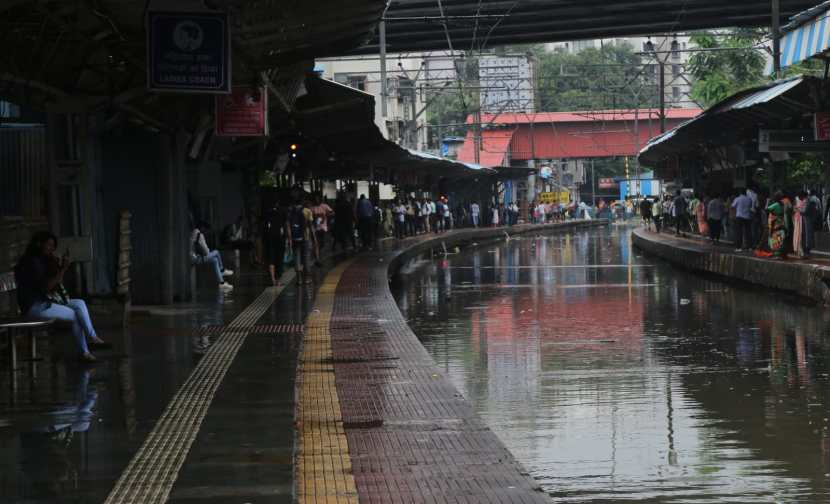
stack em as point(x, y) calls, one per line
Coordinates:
point(300, 232)
point(775, 226)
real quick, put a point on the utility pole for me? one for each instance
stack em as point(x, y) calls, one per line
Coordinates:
point(384, 91)
point(477, 135)
point(662, 67)
point(593, 183)
point(776, 38)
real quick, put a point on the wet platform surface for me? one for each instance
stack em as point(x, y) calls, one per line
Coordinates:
point(142, 426)
point(615, 377)
point(68, 431)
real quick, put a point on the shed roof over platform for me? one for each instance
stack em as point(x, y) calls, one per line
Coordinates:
point(413, 25)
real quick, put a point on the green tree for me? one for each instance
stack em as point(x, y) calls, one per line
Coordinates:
point(610, 77)
point(448, 109)
point(733, 63)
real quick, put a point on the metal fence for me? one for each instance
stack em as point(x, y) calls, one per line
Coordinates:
point(24, 171)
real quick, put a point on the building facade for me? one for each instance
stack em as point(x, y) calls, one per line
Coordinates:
point(412, 81)
point(671, 53)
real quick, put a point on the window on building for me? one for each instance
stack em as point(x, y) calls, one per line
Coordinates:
point(675, 71)
point(675, 93)
point(357, 82)
point(675, 49)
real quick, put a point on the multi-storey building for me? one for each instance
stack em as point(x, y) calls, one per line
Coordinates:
point(667, 52)
point(412, 80)
point(507, 84)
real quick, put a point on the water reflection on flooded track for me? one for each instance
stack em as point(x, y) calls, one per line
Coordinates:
point(611, 376)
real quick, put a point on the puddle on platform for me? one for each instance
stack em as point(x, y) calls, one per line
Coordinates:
point(631, 382)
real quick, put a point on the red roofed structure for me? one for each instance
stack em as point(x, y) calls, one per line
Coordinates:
point(517, 137)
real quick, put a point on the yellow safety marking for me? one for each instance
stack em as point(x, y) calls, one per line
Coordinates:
point(153, 470)
point(324, 468)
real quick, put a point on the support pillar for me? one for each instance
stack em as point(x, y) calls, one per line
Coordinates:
point(167, 228)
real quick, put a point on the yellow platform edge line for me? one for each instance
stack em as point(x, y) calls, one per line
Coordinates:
point(323, 465)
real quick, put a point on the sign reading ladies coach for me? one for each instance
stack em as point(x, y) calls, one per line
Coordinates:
point(188, 52)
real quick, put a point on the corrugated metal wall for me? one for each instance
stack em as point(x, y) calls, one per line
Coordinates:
point(130, 181)
point(24, 171)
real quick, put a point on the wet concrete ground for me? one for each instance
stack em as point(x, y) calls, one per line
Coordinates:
point(611, 376)
point(68, 431)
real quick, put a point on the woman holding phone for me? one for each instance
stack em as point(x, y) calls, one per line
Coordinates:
point(40, 293)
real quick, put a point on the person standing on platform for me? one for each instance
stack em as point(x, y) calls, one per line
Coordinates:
point(475, 213)
point(321, 211)
point(365, 212)
point(343, 224)
point(657, 214)
point(679, 213)
point(743, 221)
point(715, 211)
point(812, 220)
point(302, 239)
point(700, 217)
point(645, 211)
point(399, 211)
point(799, 210)
point(755, 225)
point(275, 234)
point(777, 223)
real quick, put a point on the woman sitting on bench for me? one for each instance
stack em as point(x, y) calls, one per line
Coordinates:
point(40, 292)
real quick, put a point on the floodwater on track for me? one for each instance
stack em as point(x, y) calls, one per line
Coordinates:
point(612, 376)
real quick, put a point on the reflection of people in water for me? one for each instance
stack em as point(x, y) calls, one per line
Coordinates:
point(47, 464)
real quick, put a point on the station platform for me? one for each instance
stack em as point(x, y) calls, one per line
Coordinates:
point(267, 394)
point(808, 279)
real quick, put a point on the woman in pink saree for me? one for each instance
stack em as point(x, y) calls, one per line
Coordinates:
point(700, 215)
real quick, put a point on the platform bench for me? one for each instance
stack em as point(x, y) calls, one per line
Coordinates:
point(12, 323)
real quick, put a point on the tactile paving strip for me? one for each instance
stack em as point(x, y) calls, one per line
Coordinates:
point(274, 329)
point(151, 473)
point(323, 466)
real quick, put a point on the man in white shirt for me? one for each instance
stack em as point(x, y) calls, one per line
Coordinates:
point(743, 217)
point(200, 253)
point(426, 214)
point(400, 219)
point(475, 211)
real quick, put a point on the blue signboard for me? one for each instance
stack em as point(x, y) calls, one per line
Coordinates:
point(188, 52)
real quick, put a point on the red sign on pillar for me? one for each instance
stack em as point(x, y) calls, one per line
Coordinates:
point(244, 112)
point(822, 125)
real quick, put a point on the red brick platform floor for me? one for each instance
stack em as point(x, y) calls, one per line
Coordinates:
point(411, 437)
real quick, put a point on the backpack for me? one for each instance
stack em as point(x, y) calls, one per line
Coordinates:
point(296, 221)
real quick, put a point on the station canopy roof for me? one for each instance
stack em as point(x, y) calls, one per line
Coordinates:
point(807, 35)
point(738, 118)
point(340, 120)
point(413, 25)
point(93, 49)
point(98, 48)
